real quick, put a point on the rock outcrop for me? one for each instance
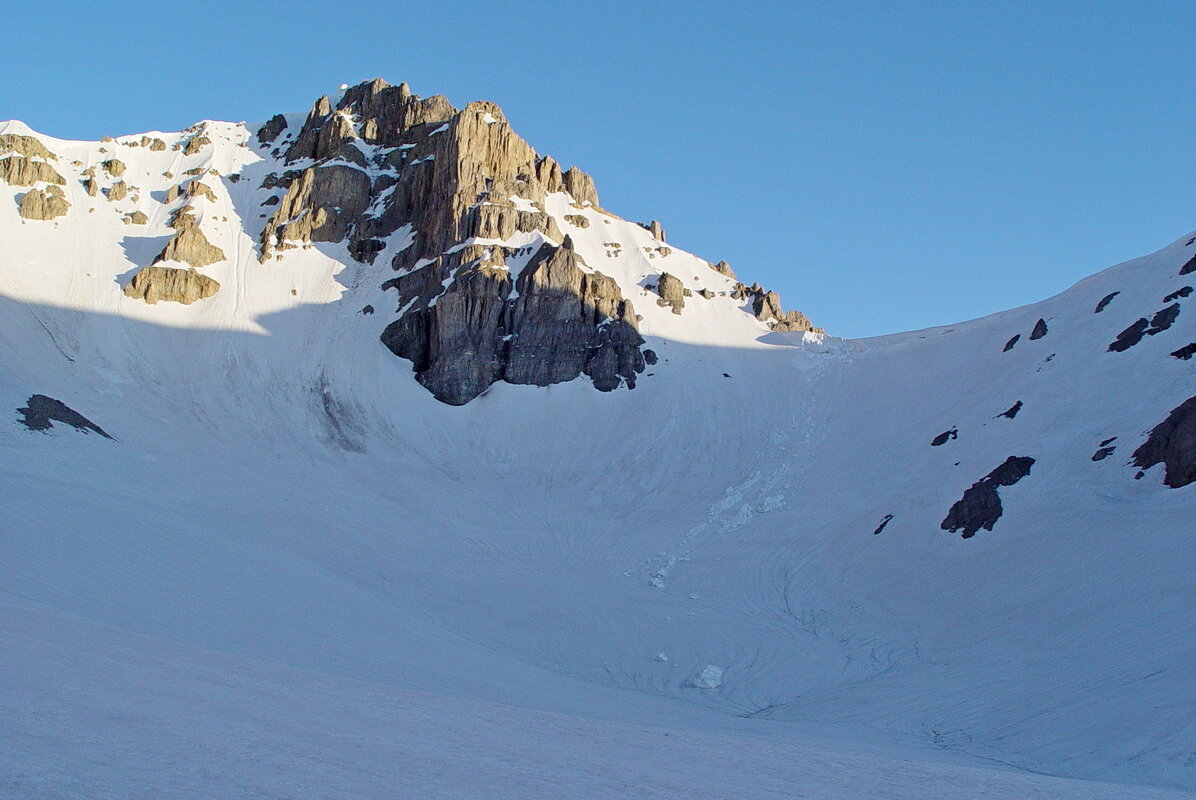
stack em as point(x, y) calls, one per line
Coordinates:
point(556, 322)
point(767, 308)
point(118, 191)
point(179, 285)
point(1130, 336)
point(1186, 352)
point(723, 268)
point(189, 245)
point(671, 291)
point(41, 412)
point(198, 188)
point(272, 129)
point(27, 146)
point(1172, 443)
point(980, 506)
point(319, 206)
point(44, 204)
point(1040, 330)
point(654, 228)
point(18, 170)
point(114, 167)
point(1163, 319)
point(1104, 302)
point(195, 144)
point(944, 437)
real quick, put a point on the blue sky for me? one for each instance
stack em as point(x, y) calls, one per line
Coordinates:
point(884, 166)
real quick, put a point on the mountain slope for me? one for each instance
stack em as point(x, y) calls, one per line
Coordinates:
point(282, 493)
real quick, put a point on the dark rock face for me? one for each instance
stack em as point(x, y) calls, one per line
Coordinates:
point(1129, 337)
point(272, 129)
point(1102, 453)
point(1189, 267)
point(671, 291)
point(1185, 352)
point(1104, 302)
point(1012, 411)
point(1163, 319)
point(1177, 294)
point(980, 506)
point(885, 520)
point(1040, 330)
point(943, 437)
point(1009, 344)
point(558, 323)
point(1172, 443)
point(42, 412)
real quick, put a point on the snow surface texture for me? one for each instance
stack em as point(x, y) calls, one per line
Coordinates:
point(293, 573)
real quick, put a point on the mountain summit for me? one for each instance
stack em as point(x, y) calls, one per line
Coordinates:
point(498, 264)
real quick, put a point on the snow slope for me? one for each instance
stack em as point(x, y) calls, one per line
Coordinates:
point(293, 572)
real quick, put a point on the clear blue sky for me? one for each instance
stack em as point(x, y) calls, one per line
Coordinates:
point(885, 166)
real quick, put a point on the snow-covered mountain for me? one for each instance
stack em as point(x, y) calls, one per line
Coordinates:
point(362, 453)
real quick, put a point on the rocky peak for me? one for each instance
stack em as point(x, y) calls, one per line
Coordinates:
point(484, 277)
